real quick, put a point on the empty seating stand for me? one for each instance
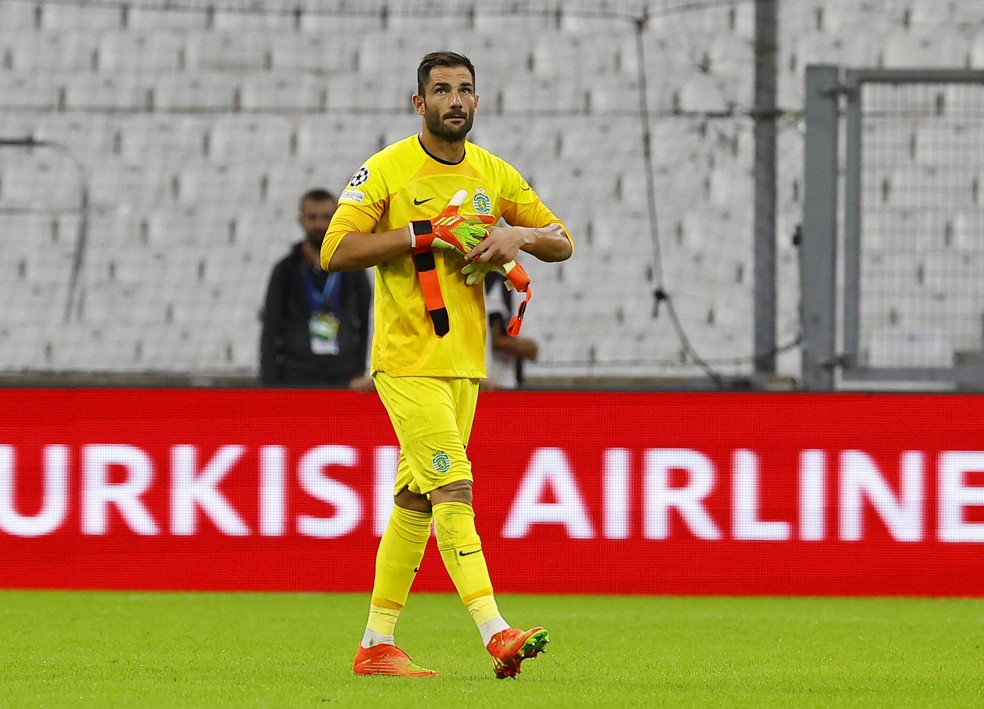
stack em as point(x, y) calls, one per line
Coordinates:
point(198, 127)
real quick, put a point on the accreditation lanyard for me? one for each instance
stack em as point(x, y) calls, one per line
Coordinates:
point(323, 299)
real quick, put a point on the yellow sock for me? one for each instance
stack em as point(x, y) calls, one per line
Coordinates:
point(397, 560)
point(461, 550)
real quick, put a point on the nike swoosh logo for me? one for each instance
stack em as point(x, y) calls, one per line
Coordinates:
point(468, 553)
point(422, 201)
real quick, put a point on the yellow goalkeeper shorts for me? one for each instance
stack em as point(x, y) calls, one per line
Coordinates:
point(433, 419)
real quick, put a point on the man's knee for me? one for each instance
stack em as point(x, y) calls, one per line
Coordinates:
point(412, 501)
point(457, 491)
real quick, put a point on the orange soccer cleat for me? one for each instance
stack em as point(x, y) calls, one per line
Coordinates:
point(387, 660)
point(511, 646)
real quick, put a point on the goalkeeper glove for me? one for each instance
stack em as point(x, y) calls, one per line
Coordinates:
point(516, 276)
point(449, 229)
point(516, 279)
point(476, 271)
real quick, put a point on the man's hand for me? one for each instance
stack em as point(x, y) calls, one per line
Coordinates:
point(476, 271)
point(449, 229)
point(364, 384)
point(497, 252)
point(501, 246)
point(516, 277)
point(518, 347)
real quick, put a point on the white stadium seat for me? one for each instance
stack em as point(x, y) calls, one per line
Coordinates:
point(343, 25)
point(934, 50)
point(702, 93)
point(219, 183)
point(246, 137)
point(162, 138)
point(967, 229)
point(100, 303)
point(337, 140)
point(90, 137)
point(847, 16)
point(624, 96)
point(529, 94)
point(53, 51)
point(141, 51)
point(107, 92)
point(358, 92)
point(26, 243)
point(383, 54)
point(39, 304)
point(41, 91)
point(226, 51)
point(183, 17)
point(91, 18)
point(20, 16)
point(287, 92)
point(935, 14)
point(111, 227)
point(39, 179)
point(194, 92)
point(520, 141)
point(597, 53)
point(516, 21)
point(448, 19)
point(133, 183)
point(197, 225)
point(268, 234)
point(287, 181)
point(109, 348)
point(127, 264)
point(255, 23)
point(910, 348)
point(230, 265)
point(312, 52)
point(904, 229)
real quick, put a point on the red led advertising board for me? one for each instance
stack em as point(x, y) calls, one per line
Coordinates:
point(642, 493)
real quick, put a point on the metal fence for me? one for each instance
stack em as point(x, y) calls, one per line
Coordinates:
point(892, 256)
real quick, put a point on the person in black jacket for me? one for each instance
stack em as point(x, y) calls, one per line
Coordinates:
point(315, 324)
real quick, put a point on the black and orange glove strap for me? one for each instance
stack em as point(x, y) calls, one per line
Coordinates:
point(516, 321)
point(519, 280)
point(423, 261)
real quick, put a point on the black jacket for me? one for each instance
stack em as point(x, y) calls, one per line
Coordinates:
point(286, 358)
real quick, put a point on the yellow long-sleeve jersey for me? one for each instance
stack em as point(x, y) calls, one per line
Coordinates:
point(403, 183)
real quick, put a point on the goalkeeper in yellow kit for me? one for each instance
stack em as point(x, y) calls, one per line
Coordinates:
point(422, 211)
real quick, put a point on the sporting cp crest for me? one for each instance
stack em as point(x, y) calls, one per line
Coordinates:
point(481, 202)
point(441, 461)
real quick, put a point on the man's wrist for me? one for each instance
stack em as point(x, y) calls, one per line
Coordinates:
point(530, 237)
point(421, 227)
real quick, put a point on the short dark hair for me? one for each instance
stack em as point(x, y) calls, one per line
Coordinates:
point(317, 195)
point(447, 59)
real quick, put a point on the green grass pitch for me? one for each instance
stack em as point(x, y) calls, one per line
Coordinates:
point(66, 649)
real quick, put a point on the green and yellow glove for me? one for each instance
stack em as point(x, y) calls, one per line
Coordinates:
point(449, 229)
point(476, 271)
point(517, 279)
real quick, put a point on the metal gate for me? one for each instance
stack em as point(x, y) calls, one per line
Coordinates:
point(892, 252)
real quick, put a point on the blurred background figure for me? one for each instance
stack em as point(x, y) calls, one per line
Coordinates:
point(315, 324)
point(505, 354)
